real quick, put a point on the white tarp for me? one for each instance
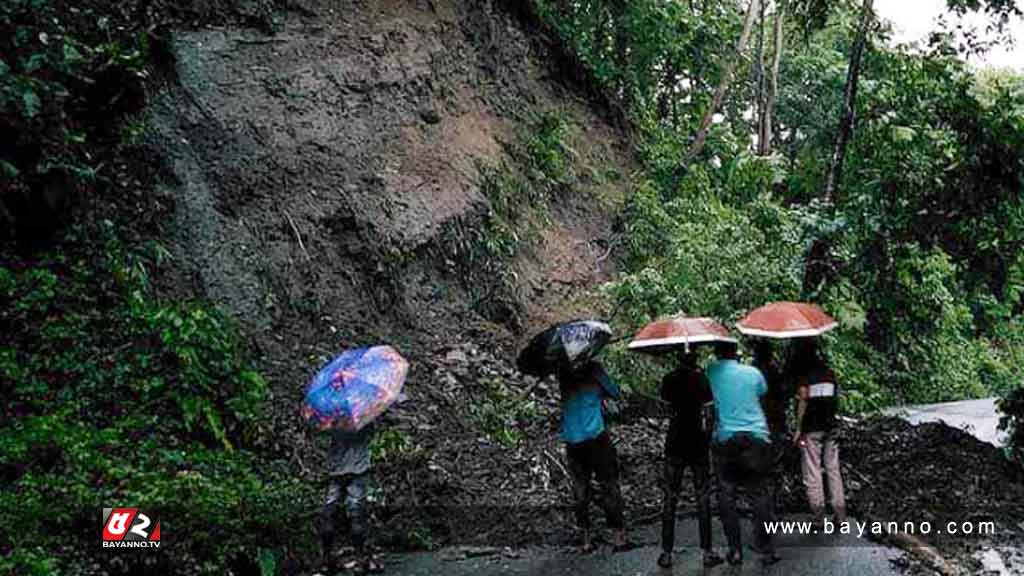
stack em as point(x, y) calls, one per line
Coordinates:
point(979, 417)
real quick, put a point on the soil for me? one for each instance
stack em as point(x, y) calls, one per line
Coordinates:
point(315, 176)
point(316, 171)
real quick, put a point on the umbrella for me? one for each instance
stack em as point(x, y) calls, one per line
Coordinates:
point(787, 320)
point(576, 342)
point(668, 334)
point(355, 388)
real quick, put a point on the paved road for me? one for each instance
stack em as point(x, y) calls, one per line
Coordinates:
point(806, 555)
point(979, 417)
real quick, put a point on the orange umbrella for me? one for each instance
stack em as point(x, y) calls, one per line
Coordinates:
point(787, 320)
point(678, 331)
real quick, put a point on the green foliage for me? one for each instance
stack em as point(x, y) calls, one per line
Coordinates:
point(390, 443)
point(546, 150)
point(701, 255)
point(928, 230)
point(115, 398)
point(501, 413)
point(61, 74)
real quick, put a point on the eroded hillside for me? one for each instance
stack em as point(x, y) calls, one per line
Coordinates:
point(384, 171)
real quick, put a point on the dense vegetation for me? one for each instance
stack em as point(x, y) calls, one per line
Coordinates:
point(113, 396)
point(925, 229)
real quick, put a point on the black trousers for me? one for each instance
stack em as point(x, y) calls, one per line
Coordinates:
point(596, 459)
point(352, 490)
point(672, 482)
point(745, 460)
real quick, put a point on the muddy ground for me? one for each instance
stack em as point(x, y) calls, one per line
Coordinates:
point(326, 181)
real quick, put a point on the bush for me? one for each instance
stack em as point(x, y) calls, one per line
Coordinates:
point(114, 398)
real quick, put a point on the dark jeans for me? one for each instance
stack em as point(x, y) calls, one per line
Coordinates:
point(673, 480)
point(595, 459)
point(351, 488)
point(744, 460)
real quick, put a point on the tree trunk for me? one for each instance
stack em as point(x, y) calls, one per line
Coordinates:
point(666, 96)
point(621, 29)
point(766, 134)
point(723, 84)
point(846, 122)
point(759, 75)
point(819, 260)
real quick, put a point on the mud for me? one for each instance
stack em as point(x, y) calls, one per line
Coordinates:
point(316, 175)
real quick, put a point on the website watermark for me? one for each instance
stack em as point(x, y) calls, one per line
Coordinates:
point(878, 529)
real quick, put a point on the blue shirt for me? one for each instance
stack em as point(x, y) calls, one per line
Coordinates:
point(582, 412)
point(737, 389)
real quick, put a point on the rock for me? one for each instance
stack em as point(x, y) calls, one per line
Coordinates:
point(465, 552)
point(456, 356)
point(430, 116)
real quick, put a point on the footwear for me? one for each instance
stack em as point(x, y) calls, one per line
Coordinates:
point(712, 559)
point(734, 557)
point(624, 547)
point(770, 558)
point(840, 515)
point(586, 546)
point(665, 560)
point(372, 566)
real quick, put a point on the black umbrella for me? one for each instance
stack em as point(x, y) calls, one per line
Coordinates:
point(574, 342)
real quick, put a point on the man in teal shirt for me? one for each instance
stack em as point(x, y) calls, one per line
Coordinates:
point(742, 449)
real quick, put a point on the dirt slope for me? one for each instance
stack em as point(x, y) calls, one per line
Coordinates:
point(327, 182)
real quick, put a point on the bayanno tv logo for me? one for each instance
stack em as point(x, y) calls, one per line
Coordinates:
point(130, 528)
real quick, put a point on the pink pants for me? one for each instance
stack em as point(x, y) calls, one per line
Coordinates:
point(820, 450)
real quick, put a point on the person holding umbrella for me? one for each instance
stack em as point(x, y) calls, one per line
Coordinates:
point(776, 399)
point(589, 449)
point(687, 392)
point(817, 394)
point(344, 399)
point(568, 350)
point(348, 472)
point(817, 405)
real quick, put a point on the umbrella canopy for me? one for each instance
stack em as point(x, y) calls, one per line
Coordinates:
point(576, 342)
point(669, 334)
point(355, 388)
point(787, 320)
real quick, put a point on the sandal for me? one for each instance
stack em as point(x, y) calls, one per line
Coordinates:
point(624, 547)
point(712, 559)
point(372, 567)
point(734, 558)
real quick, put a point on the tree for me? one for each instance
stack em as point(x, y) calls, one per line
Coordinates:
point(819, 260)
point(723, 84)
point(765, 135)
point(846, 121)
